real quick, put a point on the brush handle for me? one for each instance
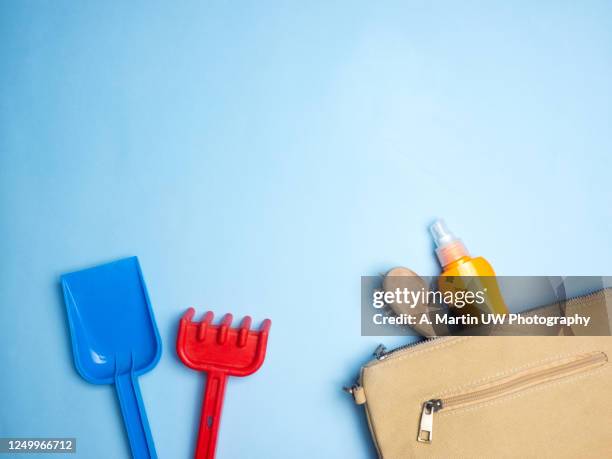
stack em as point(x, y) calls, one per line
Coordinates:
point(211, 415)
point(134, 417)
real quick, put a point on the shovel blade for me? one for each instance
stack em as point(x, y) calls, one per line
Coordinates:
point(112, 326)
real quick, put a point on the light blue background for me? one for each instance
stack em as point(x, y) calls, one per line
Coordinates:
point(259, 157)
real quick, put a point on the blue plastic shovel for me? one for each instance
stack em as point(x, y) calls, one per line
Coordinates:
point(114, 338)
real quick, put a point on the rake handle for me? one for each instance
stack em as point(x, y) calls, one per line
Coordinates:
point(211, 415)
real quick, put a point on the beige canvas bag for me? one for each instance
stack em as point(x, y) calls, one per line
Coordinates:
point(494, 396)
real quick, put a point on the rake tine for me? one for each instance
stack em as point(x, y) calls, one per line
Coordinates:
point(224, 328)
point(188, 315)
point(204, 323)
point(265, 326)
point(243, 334)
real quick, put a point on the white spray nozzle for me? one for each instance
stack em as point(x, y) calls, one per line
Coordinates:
point(448, 247)
point(441, 234)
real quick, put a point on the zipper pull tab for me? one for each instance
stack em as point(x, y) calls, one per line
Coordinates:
point(357, 392)
point(426, 428)
point(380, 352)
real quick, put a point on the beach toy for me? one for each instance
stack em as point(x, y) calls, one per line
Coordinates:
point(220, 351)
point(114, 338)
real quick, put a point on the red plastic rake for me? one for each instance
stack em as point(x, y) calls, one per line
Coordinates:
point(220, 351)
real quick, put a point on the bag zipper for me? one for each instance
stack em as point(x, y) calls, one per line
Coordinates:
point(381, 353)
point(507, 386)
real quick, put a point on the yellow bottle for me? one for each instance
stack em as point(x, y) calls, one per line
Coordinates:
point(460, 272)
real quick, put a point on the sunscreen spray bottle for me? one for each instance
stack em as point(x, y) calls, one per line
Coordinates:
point(460, 272)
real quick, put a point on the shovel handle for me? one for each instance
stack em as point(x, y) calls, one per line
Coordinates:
point(135, 417)
point(211, 415)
